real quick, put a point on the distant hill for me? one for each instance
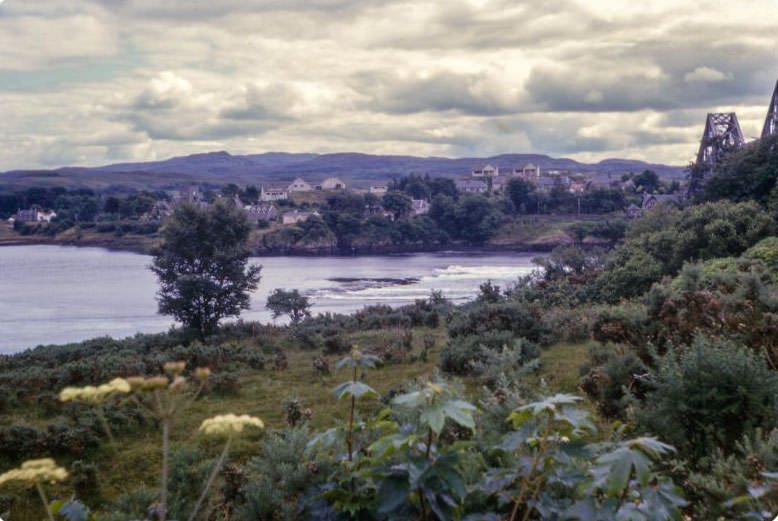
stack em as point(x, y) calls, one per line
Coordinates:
point(279, 168)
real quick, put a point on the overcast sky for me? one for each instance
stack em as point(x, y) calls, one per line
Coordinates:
point(91, 82)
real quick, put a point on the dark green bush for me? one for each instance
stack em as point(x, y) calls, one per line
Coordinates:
point(614, 382)
point(461, 352)
point(708, 397)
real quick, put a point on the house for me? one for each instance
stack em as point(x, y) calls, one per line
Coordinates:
point(34, 215)
point(472, 187)
point(655, 200)
point(296, 216)
point(262, 213)
point(190, 194)
point(332, 183)
point(632, 211)
point(299, 185)
point(379, 189)
point(577, 187)
point(499, 184)
point(485, 171)
point(26, 216)
point(528, 171)
point(419, 207)
point(158, 212)
point(549, 183)
point(272, 194)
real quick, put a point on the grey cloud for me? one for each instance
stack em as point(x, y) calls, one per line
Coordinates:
point(474, 94)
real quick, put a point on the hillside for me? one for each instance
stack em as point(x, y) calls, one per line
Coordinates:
point(356, 169)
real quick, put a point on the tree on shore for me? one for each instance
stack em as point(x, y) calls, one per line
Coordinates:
point(292, 303)
point(202, 265)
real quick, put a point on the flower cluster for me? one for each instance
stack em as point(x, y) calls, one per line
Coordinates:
point(94, 394)
point(36, 471)
point(228, 424)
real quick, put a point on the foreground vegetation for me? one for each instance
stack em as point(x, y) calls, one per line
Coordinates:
point(632, 384)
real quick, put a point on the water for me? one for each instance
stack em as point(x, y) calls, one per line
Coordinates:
point(59, 294)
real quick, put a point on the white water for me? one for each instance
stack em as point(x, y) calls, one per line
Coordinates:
point(57, 294)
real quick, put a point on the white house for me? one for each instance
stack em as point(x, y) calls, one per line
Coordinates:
point(485, 171)
point(379, 189)
point(262, 212)
point(34, 215)
point(299, 185)
point(296, 216)
point(333, 183)
point(272, 194)
point(419, 207)
point(528, 171)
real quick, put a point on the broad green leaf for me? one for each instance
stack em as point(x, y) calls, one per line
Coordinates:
point(434, 417)
point(393, 492)
point(356, 389)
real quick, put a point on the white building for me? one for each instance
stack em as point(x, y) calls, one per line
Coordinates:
point(485, 171)
point(332, 183)
point(272, 194)
point(379, 189)
point(299, 185)
point(296, 216)
point(419, 207)
point(528, 171)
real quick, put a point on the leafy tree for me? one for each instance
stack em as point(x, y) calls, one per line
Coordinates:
point(292, 303)
point(521, 193)
point(747, 174)
point(647, 181)
point(202, 265)
point(397, 203)
point(658, 243)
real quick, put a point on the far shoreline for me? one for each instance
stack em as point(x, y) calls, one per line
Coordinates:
point(144, 245)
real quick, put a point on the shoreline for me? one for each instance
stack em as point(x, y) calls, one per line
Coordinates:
point(143, 245)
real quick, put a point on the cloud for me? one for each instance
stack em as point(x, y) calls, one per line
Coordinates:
point(95, 81)
point(705, 74)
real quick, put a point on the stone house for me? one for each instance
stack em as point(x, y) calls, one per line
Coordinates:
point(299, 185)
point(262, 212)
point(485, 171)
point(332, 183)
point(272, 194)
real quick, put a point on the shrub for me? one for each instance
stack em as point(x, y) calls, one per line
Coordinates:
point(462, 353)
point(615, 383)
point(509, 363)
point(86, 484)
point(623, 324)
point(277, 478)
point(224, 383)
point(515, 317)
point(708, 397)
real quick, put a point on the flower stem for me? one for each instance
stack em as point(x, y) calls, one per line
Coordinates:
point(211, 479)
point(45, 501)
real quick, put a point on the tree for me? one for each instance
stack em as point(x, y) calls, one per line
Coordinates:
point(647, 181)
point(202, 265)
point(520, 192)
point(282, 302)
point(397, 203)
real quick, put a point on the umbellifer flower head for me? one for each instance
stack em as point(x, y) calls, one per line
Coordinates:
point(93, 394)
point(35, 471)
point(175, 368)
point(229, 424)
